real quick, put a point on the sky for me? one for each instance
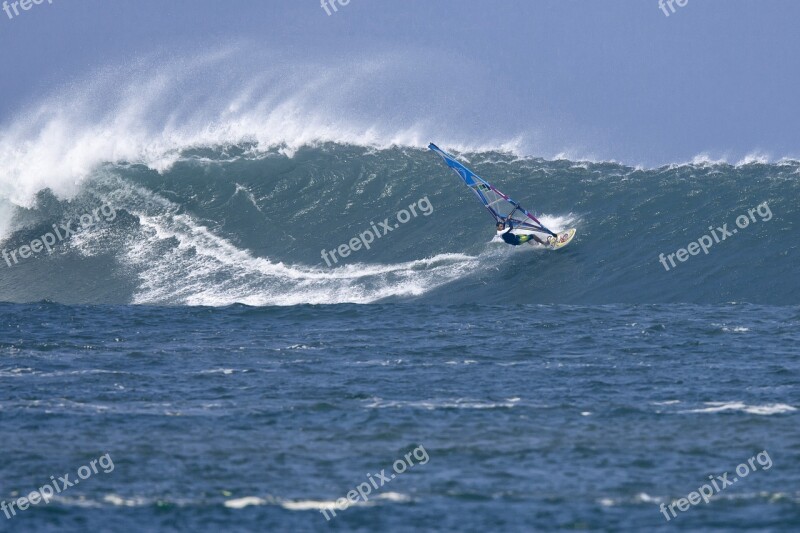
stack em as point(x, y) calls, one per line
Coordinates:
point(613, 79)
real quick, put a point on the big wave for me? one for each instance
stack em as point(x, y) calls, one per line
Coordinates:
point(232, 198)
point(226, 225)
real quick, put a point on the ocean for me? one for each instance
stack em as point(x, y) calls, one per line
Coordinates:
point(184, 350)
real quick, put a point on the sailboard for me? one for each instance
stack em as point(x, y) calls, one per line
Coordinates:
point(500, 205)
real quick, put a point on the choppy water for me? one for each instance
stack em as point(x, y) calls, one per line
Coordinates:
point(193, 340)
point(572, 390)
point(533, 417)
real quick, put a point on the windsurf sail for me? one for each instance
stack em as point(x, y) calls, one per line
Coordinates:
point(501, 207)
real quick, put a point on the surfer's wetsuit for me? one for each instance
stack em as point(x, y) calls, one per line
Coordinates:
point(516, 240)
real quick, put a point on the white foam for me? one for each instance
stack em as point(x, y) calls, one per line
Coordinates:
point(754, 158)
point(312, 505)
point(6, 218)
point(247, 501)
point(249, 195)
point(764, 410)
point(643, 497)
point(225, 371)
point(77, 501)
point(393, 497)
point(202, 268)
point(150, 111)
point(17, 372)
point(703, 159)
point(430, 405)
point(559, 223)
point(119, 501)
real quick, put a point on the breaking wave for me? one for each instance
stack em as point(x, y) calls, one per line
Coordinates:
point(232, 198)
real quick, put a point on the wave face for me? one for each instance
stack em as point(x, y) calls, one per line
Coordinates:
point(232, 224)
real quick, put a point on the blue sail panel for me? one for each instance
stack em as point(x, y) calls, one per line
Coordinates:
point(499, 205)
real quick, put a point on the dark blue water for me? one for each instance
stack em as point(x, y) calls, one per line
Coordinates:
point(531, 417)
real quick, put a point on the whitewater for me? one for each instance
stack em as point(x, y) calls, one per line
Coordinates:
point(225, 225)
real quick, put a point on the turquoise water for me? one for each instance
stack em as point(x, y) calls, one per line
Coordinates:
point(235, 226)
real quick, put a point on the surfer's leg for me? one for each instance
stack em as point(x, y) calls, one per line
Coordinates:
point(531, 238)
point(550, 240)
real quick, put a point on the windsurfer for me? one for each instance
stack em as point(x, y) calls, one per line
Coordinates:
point(515, 240)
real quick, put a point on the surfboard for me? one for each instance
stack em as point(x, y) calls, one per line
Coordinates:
point(503, 209)
point(564, 238)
